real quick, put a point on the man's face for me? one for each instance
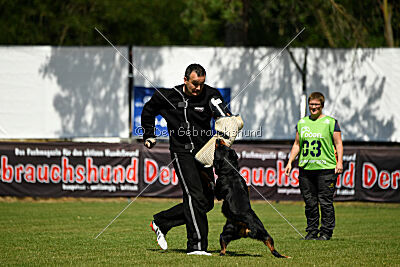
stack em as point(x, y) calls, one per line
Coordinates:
point(315, 107)
point(194, 85)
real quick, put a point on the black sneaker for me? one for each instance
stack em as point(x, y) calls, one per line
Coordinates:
point(311, 236)
point(323, 237)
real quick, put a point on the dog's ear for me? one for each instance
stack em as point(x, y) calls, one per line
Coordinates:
point(233, 158)
point(233, 155)
point(218, 154)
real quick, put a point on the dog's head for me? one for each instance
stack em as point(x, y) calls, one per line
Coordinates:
point(225, 158)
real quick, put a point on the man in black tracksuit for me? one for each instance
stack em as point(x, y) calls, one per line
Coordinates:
point(188, 110)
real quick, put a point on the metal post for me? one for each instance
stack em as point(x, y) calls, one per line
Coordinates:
point(130, 89)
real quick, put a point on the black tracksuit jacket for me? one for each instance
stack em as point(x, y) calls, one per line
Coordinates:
point(188, 117)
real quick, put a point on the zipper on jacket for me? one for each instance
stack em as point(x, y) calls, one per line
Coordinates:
point(186, 119)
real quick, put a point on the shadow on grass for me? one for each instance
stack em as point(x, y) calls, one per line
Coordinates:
point(333, 239)
point(235, 254)
point(228, 253)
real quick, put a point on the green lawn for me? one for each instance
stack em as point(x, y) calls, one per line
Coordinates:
point(62, 232)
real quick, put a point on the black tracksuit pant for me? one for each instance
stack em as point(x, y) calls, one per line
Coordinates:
point(197, 185)
point(317, 188)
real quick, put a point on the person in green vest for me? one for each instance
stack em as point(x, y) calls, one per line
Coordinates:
point(319, 143)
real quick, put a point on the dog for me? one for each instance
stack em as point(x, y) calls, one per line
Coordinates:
point(230, 187)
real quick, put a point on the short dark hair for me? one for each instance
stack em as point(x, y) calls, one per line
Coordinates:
point(197, 68)
point(317, 95)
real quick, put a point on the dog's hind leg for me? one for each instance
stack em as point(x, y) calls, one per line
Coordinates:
point(270, 244)
point(229, 233)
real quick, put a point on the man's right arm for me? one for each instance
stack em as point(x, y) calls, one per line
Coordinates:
point(150, 110)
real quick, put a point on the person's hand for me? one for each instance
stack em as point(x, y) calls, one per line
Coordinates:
point(288, 168)
point(150, 142)
point(339, 168)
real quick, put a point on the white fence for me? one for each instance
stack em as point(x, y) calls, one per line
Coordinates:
point(65, 92)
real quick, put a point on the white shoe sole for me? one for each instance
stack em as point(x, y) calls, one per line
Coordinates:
point(197, 252)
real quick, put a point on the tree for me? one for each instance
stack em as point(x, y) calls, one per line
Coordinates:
point(387, 16)
point(328, 23)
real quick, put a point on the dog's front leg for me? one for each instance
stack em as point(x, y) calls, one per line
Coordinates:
point(223, 246)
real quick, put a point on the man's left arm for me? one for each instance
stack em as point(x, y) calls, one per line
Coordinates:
point(218, 106)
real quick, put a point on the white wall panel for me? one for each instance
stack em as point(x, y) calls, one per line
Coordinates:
point(361, 85)
point(51, 92)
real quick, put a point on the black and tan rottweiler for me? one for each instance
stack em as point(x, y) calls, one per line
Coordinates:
point(231, 187)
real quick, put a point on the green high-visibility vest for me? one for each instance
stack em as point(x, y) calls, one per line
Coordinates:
point(317, 150)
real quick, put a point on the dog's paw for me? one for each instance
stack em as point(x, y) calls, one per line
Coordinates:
point(278, 255)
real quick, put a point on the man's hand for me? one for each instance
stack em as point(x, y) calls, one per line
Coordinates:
point(150, 142)
point(339, 168)
point(288, 168)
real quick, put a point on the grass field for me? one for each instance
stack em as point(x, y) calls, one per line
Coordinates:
point(62, 232)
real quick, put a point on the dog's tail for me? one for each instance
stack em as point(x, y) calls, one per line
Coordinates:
point(270, 244)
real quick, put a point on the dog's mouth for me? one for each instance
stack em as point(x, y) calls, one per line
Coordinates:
point(220, 142)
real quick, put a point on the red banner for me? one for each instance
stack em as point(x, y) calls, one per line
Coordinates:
point(106, 170)
point(68, 169)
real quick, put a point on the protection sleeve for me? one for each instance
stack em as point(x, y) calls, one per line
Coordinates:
point(227, 128)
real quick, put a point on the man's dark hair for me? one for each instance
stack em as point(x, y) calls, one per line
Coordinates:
point(197, 68)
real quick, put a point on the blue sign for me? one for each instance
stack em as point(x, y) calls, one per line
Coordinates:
point(143, 94)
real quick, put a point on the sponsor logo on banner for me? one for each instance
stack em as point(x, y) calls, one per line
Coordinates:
point(72, 176)
point(67, 173)
point(270, 177)
point(105, 170)
point(164, 175)
point(384, 179)
point(345, 183)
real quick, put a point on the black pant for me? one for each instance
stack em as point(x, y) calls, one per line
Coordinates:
point(318, 187)
point(197, 185)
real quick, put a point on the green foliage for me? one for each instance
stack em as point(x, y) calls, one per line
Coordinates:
point(62, 233)
point(72, 22)
point(328, 23)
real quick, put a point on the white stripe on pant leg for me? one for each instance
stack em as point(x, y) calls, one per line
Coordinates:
point(190, 202)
